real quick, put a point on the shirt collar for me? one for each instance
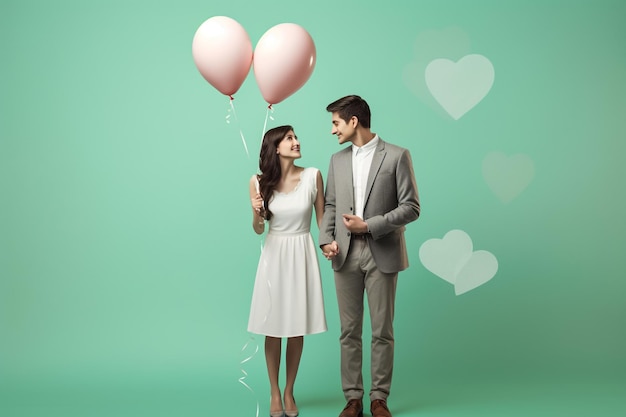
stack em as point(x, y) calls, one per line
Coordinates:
point(368, 146)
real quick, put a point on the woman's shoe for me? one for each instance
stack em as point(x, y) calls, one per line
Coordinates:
point(292, 413)
point(280, 413)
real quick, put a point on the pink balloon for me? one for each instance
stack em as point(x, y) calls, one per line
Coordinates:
point(222, 51)
point(283, 61)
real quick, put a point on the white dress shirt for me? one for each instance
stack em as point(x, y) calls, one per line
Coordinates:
point(361, 163)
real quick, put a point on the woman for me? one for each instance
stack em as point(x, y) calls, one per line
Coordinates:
point(287, 300)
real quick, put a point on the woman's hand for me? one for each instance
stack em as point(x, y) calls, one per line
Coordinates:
point(257, 205)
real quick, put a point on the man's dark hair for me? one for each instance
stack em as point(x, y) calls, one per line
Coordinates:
point(349, 106)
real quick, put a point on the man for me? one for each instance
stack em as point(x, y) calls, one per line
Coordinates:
point(371, 195)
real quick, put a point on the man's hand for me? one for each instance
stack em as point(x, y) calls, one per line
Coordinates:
point(354, 224)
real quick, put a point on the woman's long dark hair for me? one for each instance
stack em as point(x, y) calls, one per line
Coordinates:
point(269, 165)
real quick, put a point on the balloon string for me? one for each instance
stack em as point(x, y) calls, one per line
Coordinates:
point(256, 345)
point(252, 340)
point(269, 110)
point(245, 146)
point(245, 374)
point(265, 124)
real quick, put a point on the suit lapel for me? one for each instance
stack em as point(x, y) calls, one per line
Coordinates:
point(345, 164)
point(377, 161)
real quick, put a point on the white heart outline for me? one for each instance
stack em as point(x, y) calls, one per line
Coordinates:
point(445, 257)
point(452, 259)
point(507, 176)
point(479, 269)
point(459, 86)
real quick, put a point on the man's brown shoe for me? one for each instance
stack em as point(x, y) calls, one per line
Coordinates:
point(354, 408)
point(379, 409)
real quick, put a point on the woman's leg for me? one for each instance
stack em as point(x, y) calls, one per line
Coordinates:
point(272, 358)
point(294, 353)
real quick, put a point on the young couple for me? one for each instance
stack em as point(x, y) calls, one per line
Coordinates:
point(371, 194)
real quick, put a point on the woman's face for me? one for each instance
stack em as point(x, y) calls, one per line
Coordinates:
point(289, 147)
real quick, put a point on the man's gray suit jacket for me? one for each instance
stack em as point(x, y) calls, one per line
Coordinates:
point(391, 202)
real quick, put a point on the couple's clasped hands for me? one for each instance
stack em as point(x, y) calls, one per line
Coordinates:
point(330, 250)
point(354, 224)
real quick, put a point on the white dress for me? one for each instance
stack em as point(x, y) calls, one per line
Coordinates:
point(287, 299)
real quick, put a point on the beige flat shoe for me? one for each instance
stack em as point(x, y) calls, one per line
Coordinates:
point(292, 413)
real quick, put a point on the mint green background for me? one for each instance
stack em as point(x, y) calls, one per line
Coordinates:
point(126, 253)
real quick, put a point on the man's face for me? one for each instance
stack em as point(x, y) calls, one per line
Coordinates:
point(345, 131)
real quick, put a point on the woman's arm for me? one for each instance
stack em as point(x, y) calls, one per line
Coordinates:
point(258, 221)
